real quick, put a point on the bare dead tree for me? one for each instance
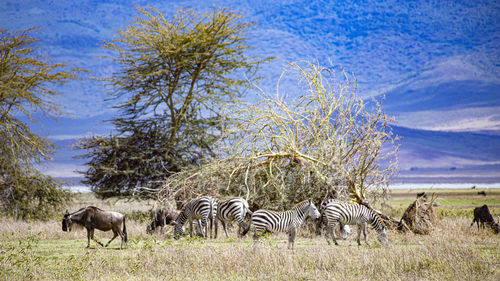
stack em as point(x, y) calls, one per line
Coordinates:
point(326, 141)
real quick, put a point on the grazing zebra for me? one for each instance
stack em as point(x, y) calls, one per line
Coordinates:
point(343, 229)
point(287, 221)
point(353, 214)
point(230, 210)
point(201, 209)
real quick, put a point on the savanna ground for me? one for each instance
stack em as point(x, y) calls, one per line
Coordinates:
point(453, 251)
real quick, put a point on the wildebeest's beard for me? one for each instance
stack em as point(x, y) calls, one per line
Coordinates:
point(65, 225)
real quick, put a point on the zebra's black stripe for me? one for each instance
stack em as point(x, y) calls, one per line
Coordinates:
point(288, 221)
point(230, 210)
point(353, 214)
point(343, 229)
point(201, 209)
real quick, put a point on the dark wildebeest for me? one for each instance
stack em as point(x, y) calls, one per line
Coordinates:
point(161, 217)
point(481, 193)
point(483, 215)
point(94, 218)
point(422, 194)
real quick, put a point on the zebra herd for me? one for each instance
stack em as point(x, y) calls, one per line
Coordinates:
point(206, 210)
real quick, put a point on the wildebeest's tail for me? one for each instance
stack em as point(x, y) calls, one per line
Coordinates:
point(124, 230)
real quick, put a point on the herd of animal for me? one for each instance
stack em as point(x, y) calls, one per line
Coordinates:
point(205, 212)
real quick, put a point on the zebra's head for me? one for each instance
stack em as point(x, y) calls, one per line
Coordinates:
point(312, 211)
point(178, 230)
point(382, 236)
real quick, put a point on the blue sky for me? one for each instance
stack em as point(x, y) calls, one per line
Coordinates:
point(392, 47)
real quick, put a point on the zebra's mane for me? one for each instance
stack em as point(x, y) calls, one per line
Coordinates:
point(377, 215)
point(300, 204)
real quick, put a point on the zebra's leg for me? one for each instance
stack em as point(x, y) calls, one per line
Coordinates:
point(359, 234)
point(204, 228)
point(190, 227)
point(216, 225)
point(212, 222)
point(327, 233)
point(224, 227)
point(291, 237)
point(332, 231)
point(241, 226)
point(363, 227)
point(255, 239)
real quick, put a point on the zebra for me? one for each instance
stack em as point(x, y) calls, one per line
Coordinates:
point(287, 221)
point(353, 214)
point(230, 210)
point(201, 209)
point(343, 229)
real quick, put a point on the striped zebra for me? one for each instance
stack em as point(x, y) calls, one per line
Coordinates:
point(344, 230)
point(287, 221)
point(202, 209)
point(353, 214)
point(230, 210)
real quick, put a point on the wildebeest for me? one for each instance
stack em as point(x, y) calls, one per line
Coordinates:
point(94, 218)
point(161, 218)
point(483, 215)
point(481, 193)
point(421, 194)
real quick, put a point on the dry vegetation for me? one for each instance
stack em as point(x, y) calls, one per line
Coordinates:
point(40, 250)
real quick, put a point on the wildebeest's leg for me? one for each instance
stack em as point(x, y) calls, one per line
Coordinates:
point(291, 237)
point(88, 238)
point(473, 221)
point(114, 236)
point(92, 236)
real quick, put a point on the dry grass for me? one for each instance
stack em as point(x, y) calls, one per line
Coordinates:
point(41, 250)
point(454, 251)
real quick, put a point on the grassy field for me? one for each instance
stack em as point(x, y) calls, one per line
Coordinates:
point(453, 251)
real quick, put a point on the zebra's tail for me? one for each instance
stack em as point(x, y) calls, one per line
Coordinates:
point(247, 207)
point(212, 217)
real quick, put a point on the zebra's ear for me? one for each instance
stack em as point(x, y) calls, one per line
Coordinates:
point(310, 201)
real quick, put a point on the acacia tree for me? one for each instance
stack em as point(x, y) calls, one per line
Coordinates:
point(175, 77)
point(325, 143)
point(26, 87)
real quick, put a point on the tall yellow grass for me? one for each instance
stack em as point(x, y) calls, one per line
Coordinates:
point(453, 251)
